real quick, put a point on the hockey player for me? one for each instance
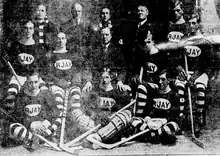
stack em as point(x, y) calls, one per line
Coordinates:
point(201, 64)
point(177, 30)
point(161, 119)
point(35, 111)
point(66, 73)
point(110, 98)
point(24, 54)
point(45, 30)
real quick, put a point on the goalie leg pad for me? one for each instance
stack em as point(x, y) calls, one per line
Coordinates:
point(119, 122)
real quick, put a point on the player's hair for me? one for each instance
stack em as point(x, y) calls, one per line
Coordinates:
point(195, 15)
point(143, 3)
point(165, 71)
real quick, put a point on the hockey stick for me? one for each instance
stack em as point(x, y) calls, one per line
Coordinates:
point(37, 135)
point(193, 138)
point(13, 71)
point(110, 146)
point(84, 135)
point(64, 118)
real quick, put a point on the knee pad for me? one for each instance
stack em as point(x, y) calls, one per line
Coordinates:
point(18, 131)
point(200, 99)
point(75, 95)
point(140, 105)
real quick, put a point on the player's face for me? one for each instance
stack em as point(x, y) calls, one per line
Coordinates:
point(178, 12)
point(142, 12)
point(33, 83)
point(193, 25)
point(105, 14)
point(106, 35)
point(163, 82)
point(41, 12)
point(28, 30)
point(61, 40)
point(106, 78)
point(77, 11)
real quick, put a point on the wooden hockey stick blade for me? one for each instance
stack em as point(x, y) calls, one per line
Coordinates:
point(54, 145)
point(110, 146)
point(197, 142)
point(82, 136)
point(72, 150)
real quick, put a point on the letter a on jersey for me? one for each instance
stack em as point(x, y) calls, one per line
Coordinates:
point(151, 67)
point(193, 51)
point(63, 64)
point(106, 102)
point(175, 36)
point(25, 58)
point(161, 103)
point(32, 110)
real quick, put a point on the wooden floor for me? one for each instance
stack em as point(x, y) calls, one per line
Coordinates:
point(183, 147)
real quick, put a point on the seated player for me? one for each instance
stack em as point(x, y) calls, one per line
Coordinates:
point(65, 73)
point(161, 118)
point(106, 98)
point(35, 112)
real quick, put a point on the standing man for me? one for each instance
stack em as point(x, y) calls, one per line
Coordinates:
point(142, 34)
point(78, 27)
point(45, 30)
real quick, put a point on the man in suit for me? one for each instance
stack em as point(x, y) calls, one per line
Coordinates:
point(78, 26)
point(142, 34)
point(106, 55)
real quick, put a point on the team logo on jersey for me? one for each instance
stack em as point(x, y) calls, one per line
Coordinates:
point(161, 103)
point(63, 64)
point(106, 102)
point(152, 68)
point(32, 110)
point(193, 51)
point(25, 58)
point(175, 36)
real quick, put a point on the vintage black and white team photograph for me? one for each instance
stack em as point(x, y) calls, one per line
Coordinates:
point(109, 77)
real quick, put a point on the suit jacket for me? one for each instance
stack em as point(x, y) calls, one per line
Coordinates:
point(141, 33)
point(78, 34)
point(112, 59)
